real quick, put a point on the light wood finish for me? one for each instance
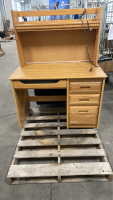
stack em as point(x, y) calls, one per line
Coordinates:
point(56, 12)
point(46, 98)
point(85, 92)
point(15, 16)
point(85, 87)
point(59, 25)
point(55, 47)
point(50, 54)
point(99, 111)
point(98, 31)
point(57, 71)
point(80, 115)
point(83, 126)
point(22, 105)
point(84, 99)
point(61, 84)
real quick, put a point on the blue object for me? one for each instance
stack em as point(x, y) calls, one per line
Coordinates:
point(25, 18)
point(60, 5)
point(76, 16)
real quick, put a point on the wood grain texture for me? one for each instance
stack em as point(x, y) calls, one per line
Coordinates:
point(61, 84)
point(84, 99)
point(17, 36)
point(65, 169)
point(22, 105)
point(57, 71)
point(54, 46)
point(99, 111)
point(56, 12)
point(49, 124)
point(79, 148)
point(81, 115)
point(63, 153)
point(46, 98)
point(97, 39)
point(50, 117)
point(61, 132)
point(85, 87)
point(58, 25)
point(53, 142)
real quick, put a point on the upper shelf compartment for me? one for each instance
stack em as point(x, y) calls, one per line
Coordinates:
point(56, 25)
point(57, 41)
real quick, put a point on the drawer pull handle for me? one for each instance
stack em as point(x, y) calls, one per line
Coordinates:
point(83, 99)
point(83, 111)
point(85, 87)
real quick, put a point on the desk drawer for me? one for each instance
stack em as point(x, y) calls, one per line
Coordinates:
point(83, 115)
point(84, 99)
point(85, 87)
point(40, 84)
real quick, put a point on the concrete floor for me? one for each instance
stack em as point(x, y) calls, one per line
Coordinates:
point(9, 134)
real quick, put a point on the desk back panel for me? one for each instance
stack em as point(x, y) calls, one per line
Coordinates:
point(56, 46)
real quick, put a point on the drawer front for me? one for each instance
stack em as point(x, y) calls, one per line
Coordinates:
point(84, 99)
point(83, 115)
point(85, 87)
point(60, 84)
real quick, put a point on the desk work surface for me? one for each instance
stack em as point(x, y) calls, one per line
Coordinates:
point(57, 71)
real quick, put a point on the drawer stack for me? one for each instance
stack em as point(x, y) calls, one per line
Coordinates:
point(83, 103)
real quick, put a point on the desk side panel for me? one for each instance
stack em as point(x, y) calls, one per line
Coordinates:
point(102, 92)
point(22, 105)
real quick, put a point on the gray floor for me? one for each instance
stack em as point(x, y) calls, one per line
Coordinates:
point(9, 134)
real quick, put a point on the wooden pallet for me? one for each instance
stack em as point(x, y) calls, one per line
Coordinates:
point(47, 152)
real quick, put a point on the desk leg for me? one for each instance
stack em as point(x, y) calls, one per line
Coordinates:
point(22, 105)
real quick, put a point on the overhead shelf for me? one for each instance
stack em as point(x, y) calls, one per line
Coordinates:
point(58, 24)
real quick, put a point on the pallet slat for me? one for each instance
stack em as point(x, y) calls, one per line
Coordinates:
point(52, 117)
point(61, 153)
point(47, 110)
point(56, 132)
point(67, 169)
point(41, 125)
point(51, 142)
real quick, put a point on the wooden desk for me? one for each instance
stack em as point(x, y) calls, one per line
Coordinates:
point(55, 51)
point(84, 90)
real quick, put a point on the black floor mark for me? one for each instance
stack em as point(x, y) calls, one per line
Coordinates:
point(8, 115)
